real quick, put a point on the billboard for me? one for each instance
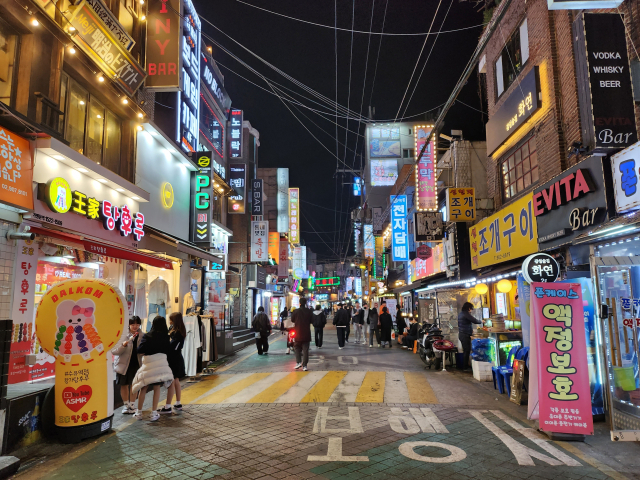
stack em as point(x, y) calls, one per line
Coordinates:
point(282, 200)
point(294, 216)
point(384, 142)
point(163, 45)
point(384, 173)
point(237, 180)
point(399, 230)
point(425, 169)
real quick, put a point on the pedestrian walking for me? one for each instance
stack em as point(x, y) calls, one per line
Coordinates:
point(155, 371)
point(347, 308)
point(465, 330)
point(401, 324)
point(319, 321)
point(177, 334)
point(386, 325)
point(357, 320)
point(373, 325)
point(126, 364)
point(283, 316)
point(365, 321)
point(341, 320)
point(261, 325)
point(302, 319)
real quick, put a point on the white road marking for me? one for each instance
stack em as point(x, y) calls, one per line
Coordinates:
point(456, 454)
point(320, 424)
point(347, 389)
point(315, 360)
point(334, 454)
point(233, 378)
point(300, 389)
point(395, 388)
point(348, 360)
point(251, 391)
point(415, 420)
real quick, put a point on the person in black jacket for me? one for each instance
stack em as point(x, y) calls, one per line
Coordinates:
point(319, 321)
point(177, 334)
point(341, 320)
point(262, 325)
point(401, 324)
point(386, 325)
point(283, 316)
point(412, 334)
point(302, 318)
point(465, 330)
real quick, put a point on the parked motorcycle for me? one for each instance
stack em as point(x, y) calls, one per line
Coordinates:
point(428, 334)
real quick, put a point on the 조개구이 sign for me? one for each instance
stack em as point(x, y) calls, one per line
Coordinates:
point(461, 204)
point(508, 234)
point(561, 358)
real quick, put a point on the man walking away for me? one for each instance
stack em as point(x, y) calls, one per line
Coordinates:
point(465, 329)
point(302, 319)
point(401, 325)
point(412, 334)
point(341, 321)
point(348, 309)
point(386, 325)
point(262, 326)
point(356, 319)
point(373, 325)
point(364, 320)
point(319, 321)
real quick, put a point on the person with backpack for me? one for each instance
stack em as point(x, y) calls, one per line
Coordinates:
point(341, 321)
point(262, 328)
point(319, 321)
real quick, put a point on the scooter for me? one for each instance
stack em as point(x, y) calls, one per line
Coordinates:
point(428, 334)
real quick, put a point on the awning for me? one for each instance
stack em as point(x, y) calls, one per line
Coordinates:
point(45, 232)
point(125, 254)
point(406, 288)
point(198, 252)
point(624, 225)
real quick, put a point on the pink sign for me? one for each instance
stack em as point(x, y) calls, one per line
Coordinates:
point(425, 170)
point(560, 358)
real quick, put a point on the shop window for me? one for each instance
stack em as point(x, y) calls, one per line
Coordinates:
point(512, 59)
point(126, 19)
point(76, 116)
point(95, 132)
point(111, 158)
point(408, 153)
point(8, 47)
point(520, 169)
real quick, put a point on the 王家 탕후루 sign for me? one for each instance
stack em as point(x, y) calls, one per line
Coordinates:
point(508, 234)
point(564, 399)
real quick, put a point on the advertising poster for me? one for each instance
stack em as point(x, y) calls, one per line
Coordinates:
point(558, 359)
point(217, 290)
point(384, 173)
point(399, 231)
point(259, 241)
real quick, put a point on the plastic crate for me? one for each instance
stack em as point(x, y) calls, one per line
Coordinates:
point(482, 371)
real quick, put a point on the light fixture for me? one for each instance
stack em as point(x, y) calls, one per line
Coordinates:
point(143, 18)
point(139, 128)
point(482, 288)
point(140, 115)
point(102, 180)
point(83, 170)
point(504, 286)
point(125, 100)
point(72, 50)
point(100, 78)
point(35, 22)
point(58, 157)
point(141, 2)
point(81, 102)
point(98, 116)
point(67, 254)
point(135, 198)
point(72, 28)
point(119, 189)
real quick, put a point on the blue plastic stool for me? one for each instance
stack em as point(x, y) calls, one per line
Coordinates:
point(496, 371)
point(507, 372)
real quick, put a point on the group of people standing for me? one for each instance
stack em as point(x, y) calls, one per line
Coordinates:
point(152, 361)
point(378, 324)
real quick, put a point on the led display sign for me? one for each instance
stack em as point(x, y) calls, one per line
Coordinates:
point(294, 216)
point(237, 180)
point(189, 101)
point(201, 204)
point(235, 134)
point(328, 282)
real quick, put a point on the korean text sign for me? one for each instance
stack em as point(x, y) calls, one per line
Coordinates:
point(461, 204)
point(425, 170)
point(561, 358)
point(17, 170)
point(237, 180)
point(259, 241)
point(399, 231)
point(625, 166)
point(235, 134)
point(510, 233)
point(294, 216)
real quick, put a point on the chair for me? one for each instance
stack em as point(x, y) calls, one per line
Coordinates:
point(507, 372)
point(497, 373)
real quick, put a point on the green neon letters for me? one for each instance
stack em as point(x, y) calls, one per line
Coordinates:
point(202, 198)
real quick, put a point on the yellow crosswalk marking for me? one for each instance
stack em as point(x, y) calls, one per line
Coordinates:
point(279, 388)
point(372, 388)
point(322, 390)
point(419, 389)
point(223, 394)
point(206, 384)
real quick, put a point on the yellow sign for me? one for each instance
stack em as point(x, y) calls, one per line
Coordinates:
point(461, 204)
point(204, 161)
point(79, 322)
point(506, 235)
point(167, 195)
point(58, 195)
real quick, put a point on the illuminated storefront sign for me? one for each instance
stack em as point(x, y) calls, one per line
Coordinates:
point(294, 216)
point(357, 236)
point(110, 20)
point(59, 197)
point(259, 241)
point(163, 45)
point(213, 84)
point(282, 200)
point(399, 230)
point(201, 205)
point(461, 204)
point(425, 169)
point(17, 170)
point(369, 242)
point(98, 42)
point(274, 248)
point(235, 134)
point(256, 197)
point(189, 101)
point(328, 282)
point(237, 180)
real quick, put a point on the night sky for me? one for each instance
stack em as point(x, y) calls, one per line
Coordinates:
point(306, 53)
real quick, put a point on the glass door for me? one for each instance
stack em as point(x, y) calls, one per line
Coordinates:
point(618, 284)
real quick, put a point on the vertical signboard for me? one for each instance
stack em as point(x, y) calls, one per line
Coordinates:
point(200, 214)
point(17, 170)
point(274, 247)
point(559, 359)
point(282, 200)
point(283, 260)
point(461, 204)
point(378, 220)
point(235, 134)
point(357, 237)
point(357, 186)
point(368, 240)
point(256, 197)
point(237, 180)
point(259, 239)
point(625, 168)
point(399, 230)
point(425, 173)
point(294, 216)
point(378, 264)
point(163, 45)
point(189, 97)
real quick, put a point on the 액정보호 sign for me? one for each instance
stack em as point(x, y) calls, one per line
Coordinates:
point(625, 166)
point(428, 226)
point(514, 112)
point(17, 170)
point(560, 358)
point(259, 241)
point(541, 268)
point(294, 216)
point(256, 197)
point(461, 204)
point(510, 233)
point(59, 197)
point(425, 169)
point(235, 134)
point(399, 230)
point(163, 45)
point(189, 98)
point(201, 206)
point(604, 81)
point(570, 202)
point(237, 180)
point(369, 241)
point(99, 43)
